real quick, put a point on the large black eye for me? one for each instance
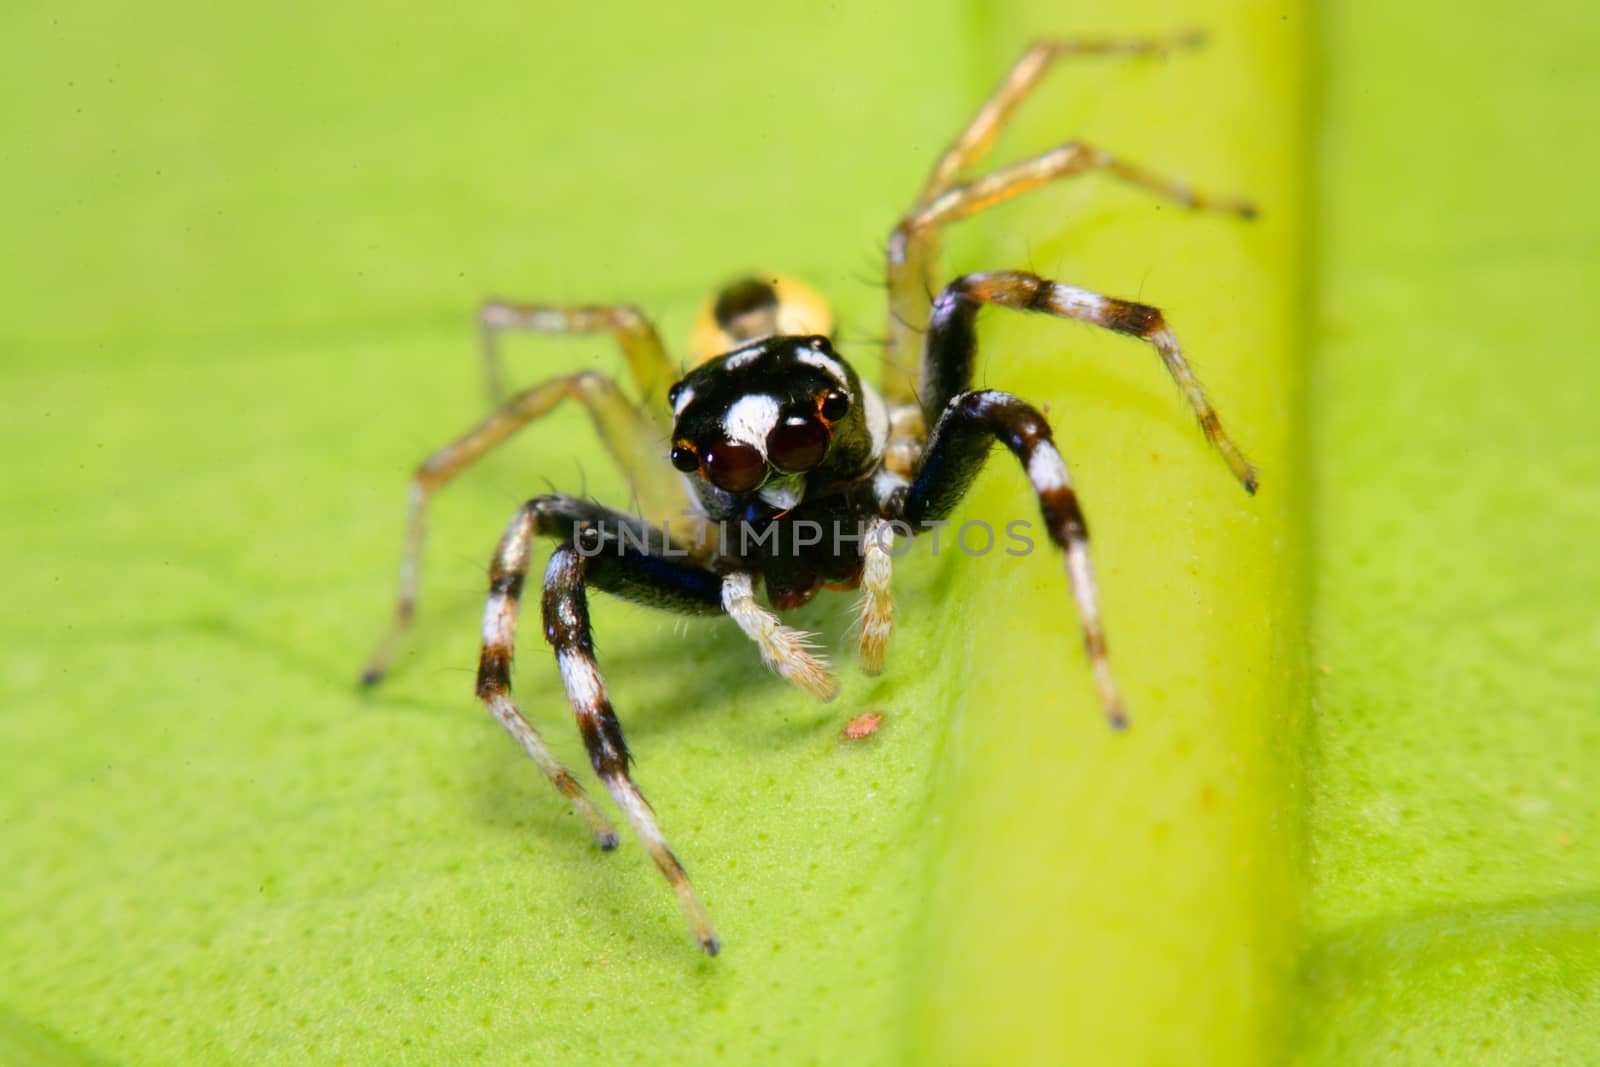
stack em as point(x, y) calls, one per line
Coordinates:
point(798, 445)
point(736, 467)
point(684, 459)
point(835, 405)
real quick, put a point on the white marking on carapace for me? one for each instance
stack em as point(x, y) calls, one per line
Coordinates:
point(743, 357)
point(824, 363)
point(685, 398)
point(877, 419)
point(750, 419)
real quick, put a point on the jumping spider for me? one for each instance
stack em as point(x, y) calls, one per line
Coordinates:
point(772, 426)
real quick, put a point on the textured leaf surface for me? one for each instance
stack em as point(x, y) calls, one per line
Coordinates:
point(246, 249)
point(1455, 878)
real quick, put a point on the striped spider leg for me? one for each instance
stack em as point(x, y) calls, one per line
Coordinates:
point(639, 568)
point(912, 259)
point(969, 425)
point(773, 430)
point(965, 423)
point(913, 247)
point(627, 557)
point(632, 434)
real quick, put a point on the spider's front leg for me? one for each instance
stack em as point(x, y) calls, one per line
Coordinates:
point(951, 345)
point(960, 444)
point(613, 560)
point(507, 572)
point(566, 627)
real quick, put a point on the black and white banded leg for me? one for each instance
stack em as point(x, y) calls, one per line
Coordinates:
point(507, 572)
point(566, 627)
point(634, 567)
point(951, 345)
point(962, 437)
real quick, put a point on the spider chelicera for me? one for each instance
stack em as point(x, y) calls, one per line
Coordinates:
point(773, 427)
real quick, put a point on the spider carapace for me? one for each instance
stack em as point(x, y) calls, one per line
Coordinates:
point(772, 463)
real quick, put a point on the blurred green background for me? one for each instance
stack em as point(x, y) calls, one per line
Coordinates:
point(1354, 821)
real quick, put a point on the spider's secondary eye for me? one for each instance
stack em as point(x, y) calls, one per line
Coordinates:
point(736, 467)
point(684, 459)
point(674, 393)
point(798, 445)
point(835, 405)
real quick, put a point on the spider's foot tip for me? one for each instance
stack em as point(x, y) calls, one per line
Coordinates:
point(711, 945)
point(1117, 720)
point(607, 841)
point(1247, 210)
point(371, 677)
point(1251, 484)
point(824, 687)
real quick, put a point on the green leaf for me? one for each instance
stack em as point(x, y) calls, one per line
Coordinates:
point(274, 249)
point(247, 246)
point(1454, 893)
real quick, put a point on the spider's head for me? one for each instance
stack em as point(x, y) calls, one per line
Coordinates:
point(777, 418)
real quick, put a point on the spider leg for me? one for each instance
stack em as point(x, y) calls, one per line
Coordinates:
point(966, 429)
point(952, 343)
point(913, 247)
point(1063, 161)
point(647, 358)
point(784, 649)
point(623, 555)
point(507, 572)
point(875, 609)
point(566, 626)
point(1025, 74)
point(633, 441)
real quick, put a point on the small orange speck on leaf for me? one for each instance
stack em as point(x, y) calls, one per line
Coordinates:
point(1208, 796)
point(862, 726)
